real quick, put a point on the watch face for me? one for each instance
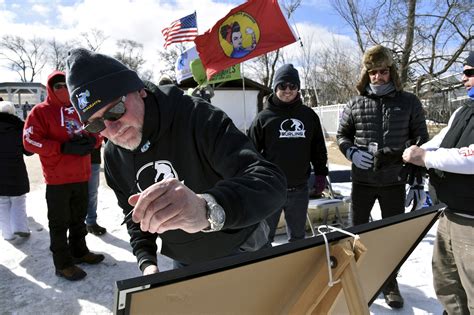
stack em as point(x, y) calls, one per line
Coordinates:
point(217, 214)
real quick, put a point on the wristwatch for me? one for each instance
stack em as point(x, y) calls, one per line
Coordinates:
point(215, 214)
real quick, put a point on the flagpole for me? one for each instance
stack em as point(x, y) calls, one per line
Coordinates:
point(242, 76)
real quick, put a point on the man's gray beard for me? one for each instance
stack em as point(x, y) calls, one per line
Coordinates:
point(127, 146)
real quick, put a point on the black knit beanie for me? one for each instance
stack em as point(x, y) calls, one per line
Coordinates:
point(287, 73)
point(469, 60)
point(94, 80)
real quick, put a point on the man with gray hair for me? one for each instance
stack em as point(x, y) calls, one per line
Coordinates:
point(216, 191)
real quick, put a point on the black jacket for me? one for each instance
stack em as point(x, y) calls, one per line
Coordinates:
point(13, 175)
point(291, 137)
point(199, 145)
point(390, 121)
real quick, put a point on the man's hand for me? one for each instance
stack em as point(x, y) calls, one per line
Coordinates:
point(319, 184)
point(169, 205)
point(361, 159)
point(414, 155)
point(151, 269)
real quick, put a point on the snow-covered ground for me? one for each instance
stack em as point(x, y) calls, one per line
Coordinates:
point(28, 283)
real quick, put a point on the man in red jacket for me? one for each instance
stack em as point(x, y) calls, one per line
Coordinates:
point(53, 131)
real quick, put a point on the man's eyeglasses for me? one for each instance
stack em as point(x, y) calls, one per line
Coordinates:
point(469, 73)
point(284, 86)
point(112, 114)
point(59, 85)
point(380, 72)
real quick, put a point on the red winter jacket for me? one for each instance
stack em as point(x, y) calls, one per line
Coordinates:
point(48, 125)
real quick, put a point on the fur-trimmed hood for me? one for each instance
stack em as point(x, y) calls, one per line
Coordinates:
point(377, 57)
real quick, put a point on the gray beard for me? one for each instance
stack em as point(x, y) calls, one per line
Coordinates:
point(131, 145)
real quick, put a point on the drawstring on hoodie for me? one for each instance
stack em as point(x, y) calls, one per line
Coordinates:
point(62, 116)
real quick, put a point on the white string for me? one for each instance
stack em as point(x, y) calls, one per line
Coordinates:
point(328, 256)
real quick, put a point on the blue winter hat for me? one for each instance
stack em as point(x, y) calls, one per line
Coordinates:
point(94, 80)
point(287, 73)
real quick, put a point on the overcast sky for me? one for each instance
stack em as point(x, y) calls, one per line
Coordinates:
point(141, 21)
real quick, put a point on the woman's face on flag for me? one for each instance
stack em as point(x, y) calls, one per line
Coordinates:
point(237, 40)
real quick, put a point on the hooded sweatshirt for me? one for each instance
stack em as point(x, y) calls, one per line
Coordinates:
point(50, 124)
point(290, 135)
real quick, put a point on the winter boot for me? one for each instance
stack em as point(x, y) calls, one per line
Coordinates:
point(96, 229)
point(72, 273)
point(392, 294)
point(89, 258)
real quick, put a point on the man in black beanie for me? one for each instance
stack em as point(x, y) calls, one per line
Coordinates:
point(449, 158)
point(183, 168)
point(289, 134)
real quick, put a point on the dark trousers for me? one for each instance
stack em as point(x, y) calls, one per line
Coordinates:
point(295, 210)
point(391, 200)
point(67, 209)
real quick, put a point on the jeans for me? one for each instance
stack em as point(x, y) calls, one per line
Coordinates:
point(453, 267)
point(295, 210)
point(93, 185)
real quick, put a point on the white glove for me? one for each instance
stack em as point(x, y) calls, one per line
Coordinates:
point(361, 159)
point(417, 195)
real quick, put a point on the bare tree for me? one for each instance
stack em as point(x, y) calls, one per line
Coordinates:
point(130, 53)
point(57, 53)
point(168, 58)
point(264, 66)
point(93, 39)
point(427, 37)
point(25, 57)
point(338, 72)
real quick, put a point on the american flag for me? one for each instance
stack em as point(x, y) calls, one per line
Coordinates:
point(182, 30)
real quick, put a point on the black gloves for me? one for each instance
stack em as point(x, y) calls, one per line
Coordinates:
point(79, 146)
point(412, 173)
point(386, 157)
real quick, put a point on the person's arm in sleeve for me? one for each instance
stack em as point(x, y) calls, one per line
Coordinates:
point(251, 188)
point(453, 160)
point(319, 153)
point(255, 133)
point(143, 243)
point(346, 131)
point(430, 155)
point(35, 138)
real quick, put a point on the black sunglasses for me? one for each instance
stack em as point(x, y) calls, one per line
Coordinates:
point(284, 86)
point(469, 73)
point(112, 114)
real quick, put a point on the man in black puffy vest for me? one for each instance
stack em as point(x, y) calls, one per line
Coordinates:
point(449, 157)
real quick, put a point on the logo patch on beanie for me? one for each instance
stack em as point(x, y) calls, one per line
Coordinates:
point(83, 102)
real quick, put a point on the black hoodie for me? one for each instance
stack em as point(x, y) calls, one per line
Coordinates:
point(290, 135)
point(199, 145)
